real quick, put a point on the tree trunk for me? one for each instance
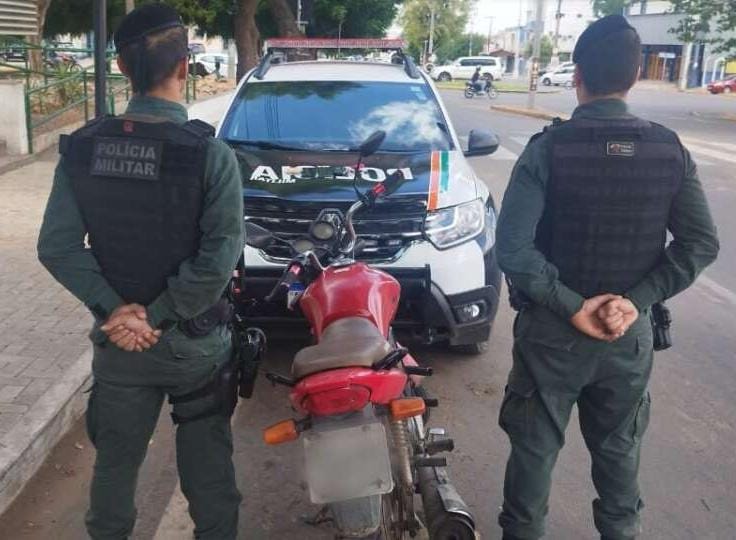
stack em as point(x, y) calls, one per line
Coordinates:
point(36, 58)
point(246, 36)
point(284, 18)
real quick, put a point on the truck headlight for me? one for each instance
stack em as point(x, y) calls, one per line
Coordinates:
point(449, 227)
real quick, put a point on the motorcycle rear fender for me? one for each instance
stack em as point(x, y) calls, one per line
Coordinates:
point(384, 385)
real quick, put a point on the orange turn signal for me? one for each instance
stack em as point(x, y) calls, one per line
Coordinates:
point(406, 408)
point(280, 433)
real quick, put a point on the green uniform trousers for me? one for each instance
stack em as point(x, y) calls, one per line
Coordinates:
point(123, 410)
point(554, 368)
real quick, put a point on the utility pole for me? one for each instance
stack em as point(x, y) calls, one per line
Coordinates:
point(556, 46)
point(99, 19)
point(534, 71)
point(129, 5)
point(517, 52)
point(472, 30)
point(430, 46)
point(685, 67)
point(490, 32)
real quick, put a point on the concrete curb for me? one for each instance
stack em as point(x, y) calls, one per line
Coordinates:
point(533, 113)
point(17, 162)
point(25, 447)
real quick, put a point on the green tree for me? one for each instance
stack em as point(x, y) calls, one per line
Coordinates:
point(460, 46)
point(601, 8)
point(361, 18)
point(712, 21)
point(545, 50)
point(451, 17)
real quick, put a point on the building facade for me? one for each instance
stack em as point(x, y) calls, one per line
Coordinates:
point(665, 57)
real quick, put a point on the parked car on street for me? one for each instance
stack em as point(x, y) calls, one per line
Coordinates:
point(209, 62)
point(550, 68)
point(464, 67)
point(562, 76)
point(295, 127)
point(725, 86)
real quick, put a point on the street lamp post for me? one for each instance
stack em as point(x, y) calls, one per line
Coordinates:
point(100, 29)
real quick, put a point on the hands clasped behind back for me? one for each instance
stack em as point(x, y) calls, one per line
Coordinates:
point(128, 328)
point(605, 317)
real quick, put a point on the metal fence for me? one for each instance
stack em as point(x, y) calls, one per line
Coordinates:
point(51, 93)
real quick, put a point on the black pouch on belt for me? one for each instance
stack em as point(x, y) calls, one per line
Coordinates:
point(204, 323)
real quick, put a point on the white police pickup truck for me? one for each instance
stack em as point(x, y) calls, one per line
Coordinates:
point(295, 127)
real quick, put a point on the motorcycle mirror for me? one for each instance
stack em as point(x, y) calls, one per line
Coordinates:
point(371, 145)
point(256, 236)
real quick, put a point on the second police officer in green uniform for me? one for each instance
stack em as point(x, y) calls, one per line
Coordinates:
point(159, 200)
point(582, 235)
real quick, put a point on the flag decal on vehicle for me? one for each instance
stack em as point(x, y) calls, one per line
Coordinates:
point(439, 178)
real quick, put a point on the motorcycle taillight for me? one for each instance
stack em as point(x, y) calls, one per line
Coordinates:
point(337, 401)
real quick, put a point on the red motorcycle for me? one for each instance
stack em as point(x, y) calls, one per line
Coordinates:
point(362, 409)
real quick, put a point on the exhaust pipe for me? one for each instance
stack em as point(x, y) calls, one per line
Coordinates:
point(446, 514)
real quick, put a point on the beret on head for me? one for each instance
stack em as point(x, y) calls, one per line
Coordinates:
point(597, 32)
point(145, 20)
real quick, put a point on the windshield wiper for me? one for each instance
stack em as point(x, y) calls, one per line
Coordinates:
point(266, 145)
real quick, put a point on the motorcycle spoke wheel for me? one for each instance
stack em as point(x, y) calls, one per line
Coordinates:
point(391, 518)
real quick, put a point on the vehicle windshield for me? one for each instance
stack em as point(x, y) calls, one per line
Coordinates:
point(337, 116)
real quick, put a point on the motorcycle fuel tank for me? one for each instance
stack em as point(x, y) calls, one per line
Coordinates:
point(355, 290)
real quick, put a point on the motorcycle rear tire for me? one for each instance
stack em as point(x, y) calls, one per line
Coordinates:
point(387, 531)
point(492, 93)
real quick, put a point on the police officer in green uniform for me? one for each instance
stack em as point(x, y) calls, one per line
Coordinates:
point(144, 225)
point(582, 238)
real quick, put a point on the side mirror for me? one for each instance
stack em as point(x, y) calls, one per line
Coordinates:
point(256, 236)
point(371, 145)
point(481, 143)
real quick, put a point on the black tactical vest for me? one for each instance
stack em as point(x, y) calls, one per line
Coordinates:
point(139, 184)
point(608, 200)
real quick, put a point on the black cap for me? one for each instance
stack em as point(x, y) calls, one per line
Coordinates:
point(597, 32)
point(145, 20)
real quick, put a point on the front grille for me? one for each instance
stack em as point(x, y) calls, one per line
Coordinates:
point(386, 230)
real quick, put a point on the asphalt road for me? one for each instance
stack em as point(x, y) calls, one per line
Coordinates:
point(689, 464)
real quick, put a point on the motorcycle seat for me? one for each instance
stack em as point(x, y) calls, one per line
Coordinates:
point(349, 342)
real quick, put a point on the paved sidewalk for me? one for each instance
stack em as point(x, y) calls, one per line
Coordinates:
point(44, 352)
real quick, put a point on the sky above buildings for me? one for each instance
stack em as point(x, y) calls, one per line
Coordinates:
point(508, 13)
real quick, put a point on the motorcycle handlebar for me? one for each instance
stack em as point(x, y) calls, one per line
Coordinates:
point(290, 277)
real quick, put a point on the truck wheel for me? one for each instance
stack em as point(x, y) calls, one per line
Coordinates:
point(444, 77)
point(470, 349)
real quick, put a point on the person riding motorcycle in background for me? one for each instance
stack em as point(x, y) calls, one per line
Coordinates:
point(475, 79)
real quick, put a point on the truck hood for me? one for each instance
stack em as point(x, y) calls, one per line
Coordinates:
point(438, 179)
